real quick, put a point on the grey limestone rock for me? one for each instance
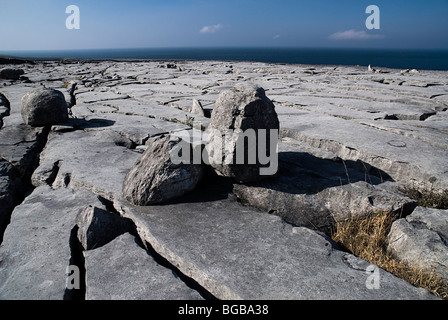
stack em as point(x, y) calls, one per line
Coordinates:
point(44, 107)
point(237, 112)
point(156, 178)
point(421, 240)
point(121, 270)
point(197, 108)
point(37, 246)
point(95, 161)
point(237, 252)
point(349, 137)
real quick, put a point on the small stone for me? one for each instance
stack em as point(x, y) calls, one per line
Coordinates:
point(44, 107)
point(197, 108)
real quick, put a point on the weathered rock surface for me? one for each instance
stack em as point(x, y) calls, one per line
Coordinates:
point(44, 107)
point(350, 139)
point(158, 177)
point(121, 270)
point(421, 240)
point(95, 160)
point(197, 108)
point(260, 256)
point(39, 242)
point(317, 191)
point(97, 226)
point(19, 152)
point(236, 112)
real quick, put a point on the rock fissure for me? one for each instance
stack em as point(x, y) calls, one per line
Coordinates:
point(76, 291)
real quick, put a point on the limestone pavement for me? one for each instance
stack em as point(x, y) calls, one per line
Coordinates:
point(351, 139)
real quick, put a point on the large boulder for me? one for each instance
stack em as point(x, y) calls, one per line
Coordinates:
point(156, 177)
point(235, 133)
point(43, 107)
point(11, 74)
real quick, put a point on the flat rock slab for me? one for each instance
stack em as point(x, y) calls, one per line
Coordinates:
point(137, 128)
point(121, 270)
point(19, 145)
point(36, 250)
point(150, 109)
point(236, 252)
point(398, 155)
point(86, 160)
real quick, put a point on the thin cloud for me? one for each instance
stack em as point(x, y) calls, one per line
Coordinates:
point(211, 29)
point(276, 37)
point(354, 35)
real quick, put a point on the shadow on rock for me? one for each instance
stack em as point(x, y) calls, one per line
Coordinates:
point(303, 173)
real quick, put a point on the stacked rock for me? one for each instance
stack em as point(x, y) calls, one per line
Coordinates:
point(244, 113)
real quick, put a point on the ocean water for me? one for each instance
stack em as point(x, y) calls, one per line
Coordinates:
point(399, 59)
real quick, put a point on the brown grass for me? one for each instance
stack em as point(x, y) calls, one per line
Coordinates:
point(428, 198)
point(367, 239)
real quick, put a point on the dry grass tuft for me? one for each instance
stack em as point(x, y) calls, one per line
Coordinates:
point(367, 239)
point(429, 198)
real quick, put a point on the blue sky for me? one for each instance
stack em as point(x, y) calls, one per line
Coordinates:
point(40, 25)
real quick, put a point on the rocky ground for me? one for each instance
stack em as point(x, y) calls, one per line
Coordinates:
point(351, 140)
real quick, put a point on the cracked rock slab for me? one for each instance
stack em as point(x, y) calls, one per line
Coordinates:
point(236, 252)
point(398, 155)
point(86, 160)
point(121, 270)
point(36, 250)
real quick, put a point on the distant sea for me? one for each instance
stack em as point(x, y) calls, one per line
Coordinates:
point(399, 59)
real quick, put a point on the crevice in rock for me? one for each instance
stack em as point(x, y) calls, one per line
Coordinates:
point(71, 91)
point(115, 222)
point(190, 282)
point(5, 108)
point(427, 115)
point(127, 225)
point(77, 259)
point(19, 175)
point(67, 179)
point(390, 117)
point(54, 172)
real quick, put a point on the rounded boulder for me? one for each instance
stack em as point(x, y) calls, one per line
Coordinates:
point(44, 107)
